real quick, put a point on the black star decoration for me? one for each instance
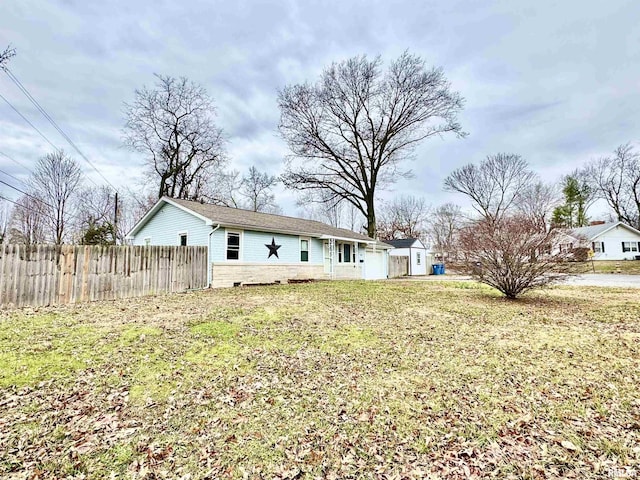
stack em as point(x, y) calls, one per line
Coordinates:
point(273, 248)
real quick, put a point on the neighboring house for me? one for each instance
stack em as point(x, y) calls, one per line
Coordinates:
point(248, 247)
point(419, 259)
point(608, 241)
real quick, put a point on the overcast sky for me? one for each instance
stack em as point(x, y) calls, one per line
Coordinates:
point(555, 81)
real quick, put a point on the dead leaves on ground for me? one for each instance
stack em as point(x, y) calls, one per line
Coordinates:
point(342, 380)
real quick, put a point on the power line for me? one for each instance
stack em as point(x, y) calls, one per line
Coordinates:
point(31, 124)
point(17, 162)
point(14, 177)
point(41, 134)
point(36, 199)
point(41, 109)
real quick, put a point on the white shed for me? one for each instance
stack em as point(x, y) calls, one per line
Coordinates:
point(609, 241)
point(419, 261)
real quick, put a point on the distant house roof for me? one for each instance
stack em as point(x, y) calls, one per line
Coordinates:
point(404, 242)
point(593, 231)
point(249, 220)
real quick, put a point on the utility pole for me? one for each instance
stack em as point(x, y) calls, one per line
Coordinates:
point(115, 220)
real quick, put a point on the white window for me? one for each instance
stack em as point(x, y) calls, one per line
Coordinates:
point(304, 249)
point(629, 246)
point(597, 247)
point(418, 258)
point(147, 241)
point(233, 245)
point(182, 239)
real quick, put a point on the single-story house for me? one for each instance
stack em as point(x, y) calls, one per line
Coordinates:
point(248, 247)
point(419, 258)
point(608, 241)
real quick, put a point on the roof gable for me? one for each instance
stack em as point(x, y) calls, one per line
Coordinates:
point(594, 231)
point(249, 220)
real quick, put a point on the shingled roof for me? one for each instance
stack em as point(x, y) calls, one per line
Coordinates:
point(593, 231)
point(249, 220)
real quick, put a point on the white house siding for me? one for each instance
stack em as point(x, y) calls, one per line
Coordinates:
point(613, 244)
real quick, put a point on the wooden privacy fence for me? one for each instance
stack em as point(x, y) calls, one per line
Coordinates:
point(39, 275)
point(398, 266)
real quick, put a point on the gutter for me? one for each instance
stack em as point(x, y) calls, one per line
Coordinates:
point(209, 274)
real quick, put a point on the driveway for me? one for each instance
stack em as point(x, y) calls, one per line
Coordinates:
point(587, 280)
point(605, 280)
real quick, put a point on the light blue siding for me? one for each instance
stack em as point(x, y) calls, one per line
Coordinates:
point(164, 226)
point(163, 229)
point(218, 244)
point(316, 255)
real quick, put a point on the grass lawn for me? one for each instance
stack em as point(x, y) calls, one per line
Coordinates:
point(330, 380)
point(628, 267)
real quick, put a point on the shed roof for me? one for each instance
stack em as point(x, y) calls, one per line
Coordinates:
point(403, 242)
point(249, 220)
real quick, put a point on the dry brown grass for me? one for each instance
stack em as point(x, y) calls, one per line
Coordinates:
point(327, 380)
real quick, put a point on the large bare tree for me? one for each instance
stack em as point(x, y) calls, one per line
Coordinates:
point(173, 125)
point(616, 179)
point(350, 132)
point(537, 201)
point(56, 181)
point(404, 217)
point(494, 186)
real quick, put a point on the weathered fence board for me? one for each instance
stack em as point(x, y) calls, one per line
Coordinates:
point(39, 275)
point(398, 266)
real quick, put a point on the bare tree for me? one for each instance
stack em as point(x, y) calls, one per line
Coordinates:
point(350, 131)
point(537, 201)
point(96, 214)
point(404, 217)
point(257, 189)
point(174, 126)
point(6, 55)
point(320, 205)
point(494, 186)
point(444, 227)
point(617, 180)
point(57, 178)
point(28, 221)
point(512, 254)
point(5, 220)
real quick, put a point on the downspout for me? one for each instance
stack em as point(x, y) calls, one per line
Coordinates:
point(209, 274)
point(410, 263)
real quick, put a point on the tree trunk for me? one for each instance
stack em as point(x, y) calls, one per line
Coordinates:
point(372, 230)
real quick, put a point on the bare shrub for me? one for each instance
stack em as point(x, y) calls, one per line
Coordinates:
point(512, 254)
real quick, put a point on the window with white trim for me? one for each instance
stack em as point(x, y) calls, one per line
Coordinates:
point(346, 255)
point(147, 241)
point(418, 259)
point(630, 246)
point(182, 239)
point(304, 249)
point(233, 246)
point(597, 247)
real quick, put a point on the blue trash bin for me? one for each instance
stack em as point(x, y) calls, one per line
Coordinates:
point(434, 269)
